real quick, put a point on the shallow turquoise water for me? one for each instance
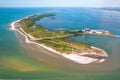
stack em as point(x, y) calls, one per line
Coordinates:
point(12, 45)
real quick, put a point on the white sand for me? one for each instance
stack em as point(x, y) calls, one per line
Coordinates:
point(74, 57)
point(13, 25)
point(80, 59)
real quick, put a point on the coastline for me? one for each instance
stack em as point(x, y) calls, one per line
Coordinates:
point(81, 59)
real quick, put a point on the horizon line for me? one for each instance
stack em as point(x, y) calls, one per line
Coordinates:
point(56, 7)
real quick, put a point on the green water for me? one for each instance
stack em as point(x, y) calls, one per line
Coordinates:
point(19, 60)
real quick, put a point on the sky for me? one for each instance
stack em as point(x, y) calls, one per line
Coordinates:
point(59, 3)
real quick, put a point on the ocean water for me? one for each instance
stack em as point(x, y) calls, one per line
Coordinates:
point(19, 60)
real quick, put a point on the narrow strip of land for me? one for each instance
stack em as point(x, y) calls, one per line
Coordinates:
point(56, 42)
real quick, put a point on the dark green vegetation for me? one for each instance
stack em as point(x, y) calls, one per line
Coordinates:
point(75, 32)
point(56, 40)
point(38, 31)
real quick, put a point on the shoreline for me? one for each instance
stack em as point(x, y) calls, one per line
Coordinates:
point(81, 59)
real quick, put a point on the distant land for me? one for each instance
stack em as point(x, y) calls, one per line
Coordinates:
point(111, 8)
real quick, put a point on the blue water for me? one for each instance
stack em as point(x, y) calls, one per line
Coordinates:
point(69, 19)
point(73, 18)
point(80, 18)
point(8, 38)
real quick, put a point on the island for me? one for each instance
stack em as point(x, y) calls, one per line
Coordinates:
point(57, 41)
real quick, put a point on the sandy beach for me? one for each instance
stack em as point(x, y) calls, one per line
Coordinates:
point(74, 57)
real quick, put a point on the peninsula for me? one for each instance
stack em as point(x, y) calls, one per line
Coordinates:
point(56, 41)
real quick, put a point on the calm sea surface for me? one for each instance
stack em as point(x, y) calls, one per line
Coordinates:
point(19, 60)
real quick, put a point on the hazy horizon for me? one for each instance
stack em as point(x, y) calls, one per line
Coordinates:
point(60, 3)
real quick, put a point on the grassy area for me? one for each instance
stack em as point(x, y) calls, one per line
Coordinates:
point(55, 40)
point(38, 31)
point(64, 46)
point(81, 47)
point(58, 44)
